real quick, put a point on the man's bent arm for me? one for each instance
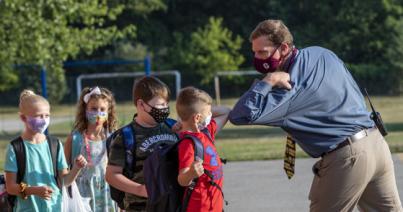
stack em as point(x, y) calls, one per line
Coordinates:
point(261, 104)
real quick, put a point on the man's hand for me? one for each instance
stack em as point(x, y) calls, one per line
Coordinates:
point(278, 79)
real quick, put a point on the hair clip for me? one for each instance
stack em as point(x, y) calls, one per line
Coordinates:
point(93, 91)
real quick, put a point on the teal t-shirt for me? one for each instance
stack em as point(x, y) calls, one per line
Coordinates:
point(38, 172)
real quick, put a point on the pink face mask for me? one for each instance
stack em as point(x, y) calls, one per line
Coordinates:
point(267, 65)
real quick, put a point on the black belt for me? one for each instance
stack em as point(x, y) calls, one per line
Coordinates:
point(357, 136)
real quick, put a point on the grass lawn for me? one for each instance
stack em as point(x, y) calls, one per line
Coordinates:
point(233, 142)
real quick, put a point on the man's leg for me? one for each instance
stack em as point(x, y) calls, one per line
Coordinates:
point(341, 178)
point(381, 193)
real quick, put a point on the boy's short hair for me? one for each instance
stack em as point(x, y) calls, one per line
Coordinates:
point(275, 31)
point(149, 87)
point(191, 101)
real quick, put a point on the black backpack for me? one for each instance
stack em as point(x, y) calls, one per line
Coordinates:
point(129, 142)
point(4, 207)
point(161, 170)
point(20, 153)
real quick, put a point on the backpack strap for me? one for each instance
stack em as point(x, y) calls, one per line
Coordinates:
point(54, 147)
point(170, 122)
point(198, 146)
point(198, 153)
point(76, 145)
point(211, 181)
point(208, 134)
point(20, 155)
point(208, 173)
point(129, 143)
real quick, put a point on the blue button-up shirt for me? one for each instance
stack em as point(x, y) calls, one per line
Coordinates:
point(323, 108)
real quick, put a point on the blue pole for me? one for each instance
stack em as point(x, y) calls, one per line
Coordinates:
point(44, 89)
point(147, 65)
point(43, 82)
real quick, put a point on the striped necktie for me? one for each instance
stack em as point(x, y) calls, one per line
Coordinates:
point(289, 157)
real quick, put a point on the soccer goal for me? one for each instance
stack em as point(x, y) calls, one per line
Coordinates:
point(81, 77)
point(228, 73)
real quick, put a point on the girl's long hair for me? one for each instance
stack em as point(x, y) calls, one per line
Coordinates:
point(81, 121)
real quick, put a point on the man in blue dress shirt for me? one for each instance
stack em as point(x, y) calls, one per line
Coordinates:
point(311, 95)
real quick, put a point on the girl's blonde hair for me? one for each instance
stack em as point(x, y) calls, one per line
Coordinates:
point(81, 121)
point(28, 98)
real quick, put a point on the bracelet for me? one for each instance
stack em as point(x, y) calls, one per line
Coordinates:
point(23, 187)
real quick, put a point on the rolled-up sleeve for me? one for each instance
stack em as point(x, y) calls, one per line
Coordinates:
point(261, 104)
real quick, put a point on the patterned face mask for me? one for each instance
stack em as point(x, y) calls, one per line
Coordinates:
point(96, 117)
point(38, 125)
point(159, 114)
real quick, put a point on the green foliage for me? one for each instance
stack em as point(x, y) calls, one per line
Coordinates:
point(367, 35)
point(145, 6)
point(48, 32)
point(378, 79)
point(210, 49)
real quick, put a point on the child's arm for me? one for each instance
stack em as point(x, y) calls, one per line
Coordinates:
point(69, 176)
point(220, 115)
point(13, 188)
point(186, 175)
point(115, 178)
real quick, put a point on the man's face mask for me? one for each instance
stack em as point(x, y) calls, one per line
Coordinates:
point(267, 65)
point(38, 125)
point(96, 117)
point(159, 114)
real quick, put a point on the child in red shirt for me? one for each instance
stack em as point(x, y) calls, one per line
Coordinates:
point(197, 117)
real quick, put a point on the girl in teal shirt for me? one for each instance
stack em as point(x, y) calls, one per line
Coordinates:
point(38, 190)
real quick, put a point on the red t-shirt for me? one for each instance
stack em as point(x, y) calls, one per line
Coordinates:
point(205, 197)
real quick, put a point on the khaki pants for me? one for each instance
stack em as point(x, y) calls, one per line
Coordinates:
point(360, 173)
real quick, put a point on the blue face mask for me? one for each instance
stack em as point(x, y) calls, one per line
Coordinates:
point(96, 117)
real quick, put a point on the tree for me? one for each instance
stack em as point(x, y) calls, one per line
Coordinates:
point(210, 49)
point(48, 32)
point(364, 34)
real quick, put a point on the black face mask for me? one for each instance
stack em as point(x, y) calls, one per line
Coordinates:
point(159, 114)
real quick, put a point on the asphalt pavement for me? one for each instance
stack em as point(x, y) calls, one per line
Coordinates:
point(262, 186)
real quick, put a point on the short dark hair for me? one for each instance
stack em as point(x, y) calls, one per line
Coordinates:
point(149, 87)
